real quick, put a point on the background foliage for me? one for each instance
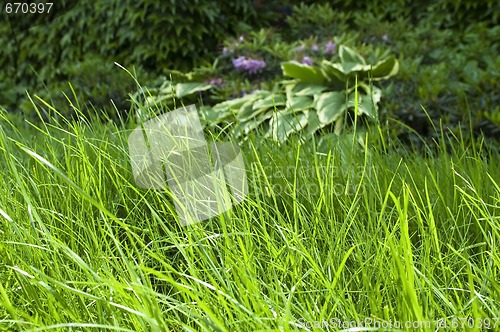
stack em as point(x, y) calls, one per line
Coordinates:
point(153, 34)
point(448, 53)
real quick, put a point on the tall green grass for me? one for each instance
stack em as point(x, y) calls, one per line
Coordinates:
point(326, 238)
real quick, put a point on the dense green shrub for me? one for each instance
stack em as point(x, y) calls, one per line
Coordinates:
point(449, 52)
point(95, 86)
point(444, 13)
point(154, 34)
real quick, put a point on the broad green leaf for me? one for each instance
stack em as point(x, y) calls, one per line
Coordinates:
point(289, 87)
point(376, 94)
point(304, 73)
point(284, 124)
point(310, 90)
point(348, 55)
point(351, 60)
point(185, 89)
point(299, 103)
point(334, 71)
point(248, 111)
point(385, 68)
point(366, 106)
point(235, 104)
point(166, 87)
point(368, 102)
point(313, 123)
point(247, 126)
point(213, 114)
point(272, 100)
point(351, 100)
point(330, 106)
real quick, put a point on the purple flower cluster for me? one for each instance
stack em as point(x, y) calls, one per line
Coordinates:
point(307, 61)
point(330, 47)
point(252, 66)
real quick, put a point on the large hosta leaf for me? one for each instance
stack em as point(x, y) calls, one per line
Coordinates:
point(185, 89)
point(367, 102)
point(348, 55)
point(385, 68)
point(248, 111)
point(224, 110)
point(299, 103)
point(216, 115)
point(246, 126)
point(368, 107)
point(271, 101)
point(330, 106)
point(304, 73)
point(351, 60)
point(284, 124)
point(334, 71)
point(304, 89)
point(313, 123)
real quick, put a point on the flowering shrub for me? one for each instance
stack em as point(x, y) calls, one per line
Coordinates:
point(249, 65)
point(307, 61)
point(330, 47)
point(315, 97)
point(253, 61)
point(447, 72)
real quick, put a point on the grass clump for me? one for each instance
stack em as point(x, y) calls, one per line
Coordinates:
point(329, 238)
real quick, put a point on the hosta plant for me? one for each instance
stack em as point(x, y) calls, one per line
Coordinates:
point(314, 97)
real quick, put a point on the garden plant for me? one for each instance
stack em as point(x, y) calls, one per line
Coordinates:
point(368, 132)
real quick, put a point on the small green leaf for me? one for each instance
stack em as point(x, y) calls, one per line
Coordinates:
point(304, 73)
point(313, 123)
point(299, 103)
point(283, 125)
point(248, 111)
point(309, 89)
point(185, 89)
point(272, 100)
point(366, 106)
point(348, 55)
point(330, 106)
point(334, 71)
point(385, 68)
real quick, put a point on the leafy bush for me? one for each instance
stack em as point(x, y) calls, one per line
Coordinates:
point(156, 35)
point(96, 86)
point(315, 97)
point(320, 20)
